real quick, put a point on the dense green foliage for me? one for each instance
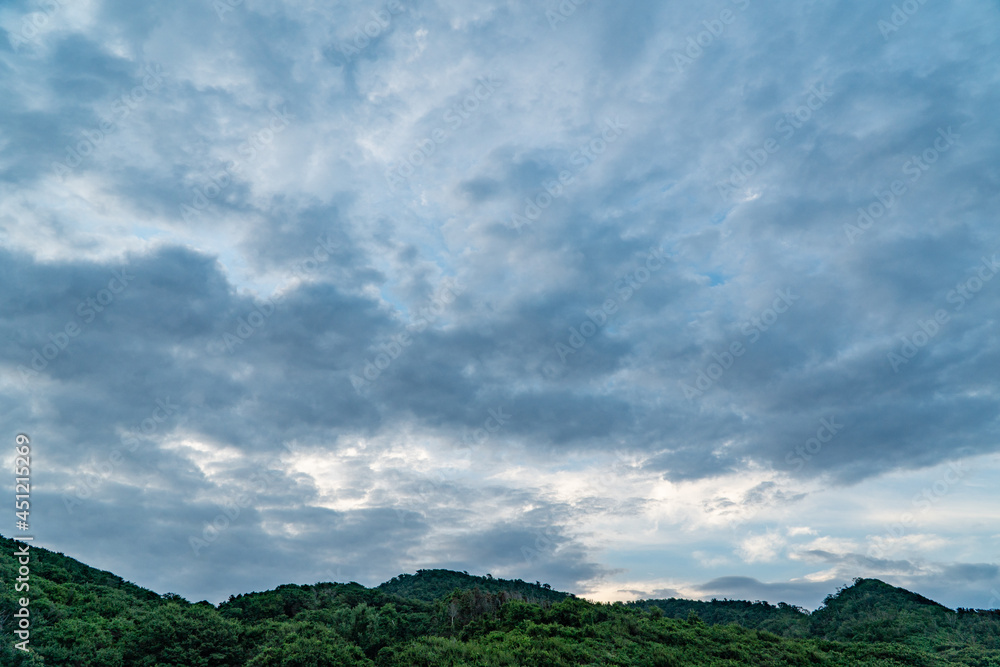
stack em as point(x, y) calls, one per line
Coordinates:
point(84, 617)
point(781, 619)
point(432, 585)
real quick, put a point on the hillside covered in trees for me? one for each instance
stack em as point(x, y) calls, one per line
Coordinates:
point(84, 617)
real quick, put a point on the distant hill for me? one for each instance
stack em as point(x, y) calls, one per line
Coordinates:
point(781, 619)
point(435, 584)
point(84, 617)
point(58, 568)
point(869, 611)
point(873, 611)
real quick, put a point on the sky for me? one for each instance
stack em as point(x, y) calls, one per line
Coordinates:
point(637, 299)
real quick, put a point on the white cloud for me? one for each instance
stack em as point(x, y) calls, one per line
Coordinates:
point(761, 548)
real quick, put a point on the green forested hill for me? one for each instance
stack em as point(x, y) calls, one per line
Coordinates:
point(870, 611)
point(434, 584)
point(781, 619)
point(86, 617)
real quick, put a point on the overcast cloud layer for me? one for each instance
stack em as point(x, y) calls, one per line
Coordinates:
point(636, 298)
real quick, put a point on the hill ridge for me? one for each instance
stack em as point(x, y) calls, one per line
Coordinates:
point(87, 617)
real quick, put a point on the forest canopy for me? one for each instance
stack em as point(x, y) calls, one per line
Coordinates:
point(82, 617)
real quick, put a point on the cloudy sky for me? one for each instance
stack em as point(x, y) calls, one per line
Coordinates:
point(634, 298)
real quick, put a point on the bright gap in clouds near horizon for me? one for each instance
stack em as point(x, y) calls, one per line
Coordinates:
point(636, 299)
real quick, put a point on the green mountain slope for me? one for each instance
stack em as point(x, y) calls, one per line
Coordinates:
point(82, 617)
point(781, 619)
point(435, 584)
